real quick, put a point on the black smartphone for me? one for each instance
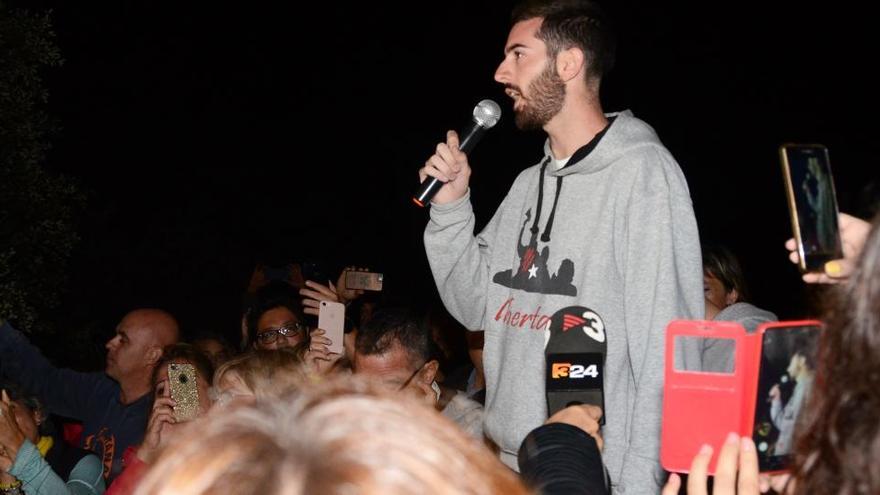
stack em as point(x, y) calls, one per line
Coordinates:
point(785, 380)
point(812, 204)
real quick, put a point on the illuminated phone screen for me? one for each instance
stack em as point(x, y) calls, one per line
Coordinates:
point(785, 380)
point(812, 187)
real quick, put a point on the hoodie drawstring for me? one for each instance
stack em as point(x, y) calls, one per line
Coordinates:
point(534, 229)
point(545, 237)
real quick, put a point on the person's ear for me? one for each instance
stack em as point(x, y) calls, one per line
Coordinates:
point(570, 63)
point(153, 355)
point(732, 297)
point(429, 371)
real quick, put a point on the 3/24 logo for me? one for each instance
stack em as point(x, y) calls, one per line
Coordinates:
point(568, 370)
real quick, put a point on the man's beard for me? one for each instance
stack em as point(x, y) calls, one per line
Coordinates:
point(546, 97)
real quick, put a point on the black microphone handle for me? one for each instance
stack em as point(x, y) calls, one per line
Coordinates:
point(431, 185)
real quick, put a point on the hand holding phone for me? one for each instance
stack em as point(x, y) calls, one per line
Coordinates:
point(331, 319)
point(812, 204)
point(360, 280)
point(853, 234)
point(760, 395)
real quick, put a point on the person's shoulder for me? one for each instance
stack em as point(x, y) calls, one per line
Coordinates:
point(104, 385)
point(461, 404)
point(632, 147)
point(625, 126)
point(746, 314)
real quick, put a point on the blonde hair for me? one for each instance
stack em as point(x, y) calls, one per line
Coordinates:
point(267, 373)
point(342, 436)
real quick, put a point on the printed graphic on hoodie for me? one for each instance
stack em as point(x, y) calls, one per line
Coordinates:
point(532, 273)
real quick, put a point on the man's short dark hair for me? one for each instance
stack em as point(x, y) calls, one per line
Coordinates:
point(573, 23)
point(391, 327)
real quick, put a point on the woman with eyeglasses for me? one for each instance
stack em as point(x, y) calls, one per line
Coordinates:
point(276, 319)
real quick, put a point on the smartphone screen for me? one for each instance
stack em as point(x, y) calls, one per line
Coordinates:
point(785, 380)
point(331, 319)
point(184, 390)
point(813, 204)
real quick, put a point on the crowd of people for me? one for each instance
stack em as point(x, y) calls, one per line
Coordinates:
point(281, 413)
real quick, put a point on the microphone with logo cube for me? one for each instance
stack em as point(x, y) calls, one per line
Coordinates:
point(575, 360)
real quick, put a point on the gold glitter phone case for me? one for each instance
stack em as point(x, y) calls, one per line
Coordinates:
point(184, 391)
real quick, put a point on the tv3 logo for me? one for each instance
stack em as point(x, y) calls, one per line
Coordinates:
point(568, 370)
point(588, 321)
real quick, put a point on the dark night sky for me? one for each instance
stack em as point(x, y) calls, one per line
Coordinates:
point(179, 121)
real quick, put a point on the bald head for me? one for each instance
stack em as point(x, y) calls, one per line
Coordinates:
point(140, 338)
point(161, 328)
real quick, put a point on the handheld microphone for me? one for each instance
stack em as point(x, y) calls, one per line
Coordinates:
point(486, 115)
point(575, 360)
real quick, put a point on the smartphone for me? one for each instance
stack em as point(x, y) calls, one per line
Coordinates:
point(720, 378)
point(331, 319)
point(184, 390)
point(812, 204)
point(363, 280)
point(785, 380)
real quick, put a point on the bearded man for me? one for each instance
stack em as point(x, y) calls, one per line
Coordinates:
point(603, 226)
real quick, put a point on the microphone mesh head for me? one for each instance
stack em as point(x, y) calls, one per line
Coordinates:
point(487, 113)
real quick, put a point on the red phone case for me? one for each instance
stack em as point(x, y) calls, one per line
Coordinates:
point(704, 407)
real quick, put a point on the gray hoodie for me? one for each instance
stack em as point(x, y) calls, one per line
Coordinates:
point(613, 231)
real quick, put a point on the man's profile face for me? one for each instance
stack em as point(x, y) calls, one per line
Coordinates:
point(530, 77)
point(127, 350)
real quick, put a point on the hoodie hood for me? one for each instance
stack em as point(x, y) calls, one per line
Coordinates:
point(623, 134)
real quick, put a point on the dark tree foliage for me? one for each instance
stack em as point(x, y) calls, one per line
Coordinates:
point(37, 207)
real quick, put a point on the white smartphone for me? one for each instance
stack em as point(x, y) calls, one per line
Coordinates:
point(331, 319)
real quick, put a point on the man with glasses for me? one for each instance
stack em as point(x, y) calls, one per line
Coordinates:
point(394, 350)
